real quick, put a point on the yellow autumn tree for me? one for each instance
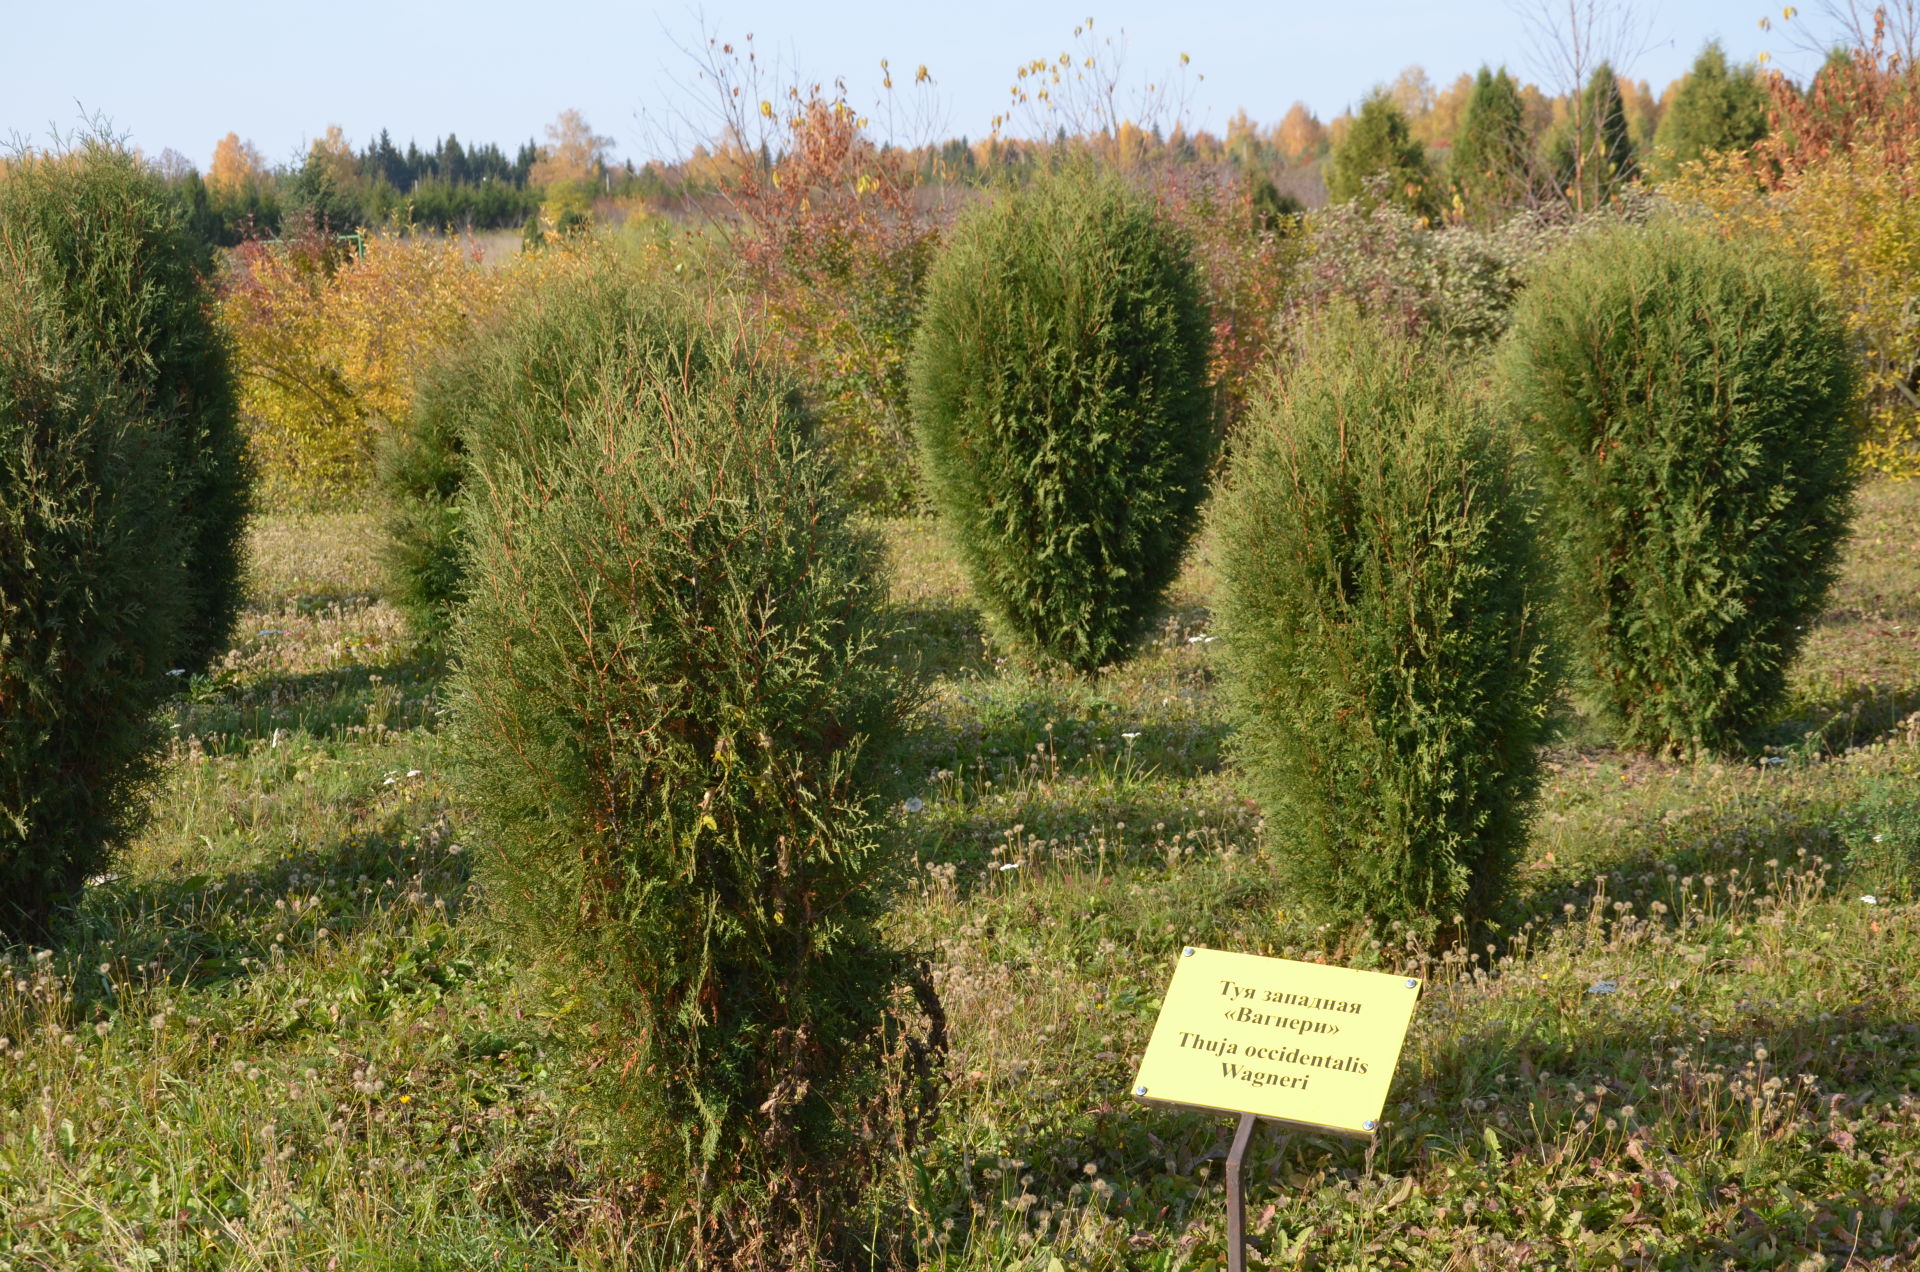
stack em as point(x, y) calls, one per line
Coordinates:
point(569, 167)
point(573, 151)
point(334, 153)
point(1301, 137)
point(1413, 92)
point(236, 166)
point(1438, 126)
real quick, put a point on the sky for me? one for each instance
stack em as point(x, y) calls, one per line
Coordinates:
point(180, 75)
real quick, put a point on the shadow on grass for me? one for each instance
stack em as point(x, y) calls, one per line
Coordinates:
point(208, 929)
point(399, 694)
point(943, 638)
point(1859, 716)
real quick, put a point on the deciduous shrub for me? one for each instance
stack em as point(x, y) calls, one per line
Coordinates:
point(104, 239)
point(328, 339)
point(1059, 386)
point(1690, 406)
point(834, 244)
point(1248, 242)
point(1835, 182)
point(668, 704)
point(91, 601)
point(1381, 614)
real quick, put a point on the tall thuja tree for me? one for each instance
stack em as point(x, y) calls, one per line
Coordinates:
point(108, 248)
point(1690, 404)
point(1060, 389)
point(1491, 166)
point(1592, 153)
point(1379, 158)
point(1716, 107)
point(90, 605)
point(1382, 609)
point(670, 715)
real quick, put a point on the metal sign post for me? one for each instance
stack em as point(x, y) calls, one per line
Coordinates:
point(1237, 1197)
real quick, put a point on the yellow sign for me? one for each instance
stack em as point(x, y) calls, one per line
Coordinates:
point(1296, 1042)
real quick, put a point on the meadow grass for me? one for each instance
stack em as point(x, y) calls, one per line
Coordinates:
point(278, 1035)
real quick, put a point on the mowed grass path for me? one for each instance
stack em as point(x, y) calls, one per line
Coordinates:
point(280, 1037)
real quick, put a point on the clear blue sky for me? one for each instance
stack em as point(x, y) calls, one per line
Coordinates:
point(180, 74)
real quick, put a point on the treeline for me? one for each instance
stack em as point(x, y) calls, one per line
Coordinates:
point(450, 186)
point(1486, 145)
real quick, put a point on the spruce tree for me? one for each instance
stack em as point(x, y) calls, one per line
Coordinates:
point(1592, 153)
point(1379, 153)
point(1716, 107)
point(1490, 168)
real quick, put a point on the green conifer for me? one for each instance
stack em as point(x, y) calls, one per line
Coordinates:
point(1716, 107)
point(1592, 152)
point(1490, 168)
point(108, 248)
point(1690, 405)
point(1379, 153)
point(1381, 607)
point(1060, 391)
point(91, 598)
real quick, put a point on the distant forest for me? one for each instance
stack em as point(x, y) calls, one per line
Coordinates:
point(1472, 150)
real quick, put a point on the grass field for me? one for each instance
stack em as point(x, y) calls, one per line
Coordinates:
point(279, 1036)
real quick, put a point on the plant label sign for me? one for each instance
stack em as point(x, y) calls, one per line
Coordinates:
point(1302, 1043)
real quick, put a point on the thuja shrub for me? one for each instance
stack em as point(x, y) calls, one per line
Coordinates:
point(1690, 404)
point(421, 465)
point(1381, 612)
point(91, 592)
point(107, 246)
point(1060, 390)
point(520, 372)
point(670, 707)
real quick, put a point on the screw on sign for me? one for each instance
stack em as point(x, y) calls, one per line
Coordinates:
point(1303, 1045)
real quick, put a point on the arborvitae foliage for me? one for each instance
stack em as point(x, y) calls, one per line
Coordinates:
point(90, 591)
point(109, 248)
point(1380, 610)
point(668, 701)
point(509, 385)
point(1380, 157)
point(1491, 165)
point(1690, 405)
point(1715, 108)
point(1592, 153)
point(1060, 391)
point(421, 466)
